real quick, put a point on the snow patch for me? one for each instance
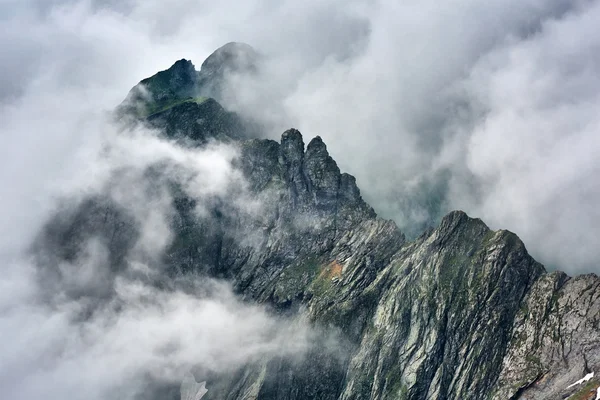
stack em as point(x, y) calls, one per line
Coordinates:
point(192, 390)
point(584, 379)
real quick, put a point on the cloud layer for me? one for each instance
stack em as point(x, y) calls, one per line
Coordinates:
point(486, 107)
point(481, 107)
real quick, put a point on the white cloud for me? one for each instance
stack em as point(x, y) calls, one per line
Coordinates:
point(534, 150)
point(154, 333)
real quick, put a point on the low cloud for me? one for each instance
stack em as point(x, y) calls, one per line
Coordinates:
point(143, 333)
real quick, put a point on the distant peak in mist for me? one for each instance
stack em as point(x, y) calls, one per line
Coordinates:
point(233, 55)
point(183, 83)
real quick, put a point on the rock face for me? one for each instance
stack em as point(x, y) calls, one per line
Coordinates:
point(198, 120)
point(161, 90)
point(462, 312)
point(555, 340)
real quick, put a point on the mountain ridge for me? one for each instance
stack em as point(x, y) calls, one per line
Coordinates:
point(461, 312)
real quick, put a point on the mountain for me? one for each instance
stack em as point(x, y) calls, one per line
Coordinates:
point(461, 312)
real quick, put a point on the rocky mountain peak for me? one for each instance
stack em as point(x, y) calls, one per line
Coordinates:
point(165, 88)
point(176, 82)
point(312, 178)
point(182, 64)
point(292, 146)
point(317, 151)
point(182, 74)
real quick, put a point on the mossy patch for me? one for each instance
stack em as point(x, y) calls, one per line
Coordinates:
point(296, 278)
point(587, 392)
point(152, 109)
point(395, 386)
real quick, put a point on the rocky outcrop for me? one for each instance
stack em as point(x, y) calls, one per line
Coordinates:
point(555, 340)
point(198, 121)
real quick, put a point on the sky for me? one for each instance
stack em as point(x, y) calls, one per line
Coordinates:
point(488, 107)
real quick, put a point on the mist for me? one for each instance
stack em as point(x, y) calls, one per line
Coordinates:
point(90, 333)
point(79, 329)
point(491, 108)
point(484, 108)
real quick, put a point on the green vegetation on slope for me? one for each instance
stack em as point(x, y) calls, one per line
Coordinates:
point(156, 108)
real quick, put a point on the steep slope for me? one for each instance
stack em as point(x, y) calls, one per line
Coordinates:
point(462, 312)
point(162, 90)
point(555, 340)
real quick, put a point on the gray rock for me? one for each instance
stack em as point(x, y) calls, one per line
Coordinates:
point(555, 340)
